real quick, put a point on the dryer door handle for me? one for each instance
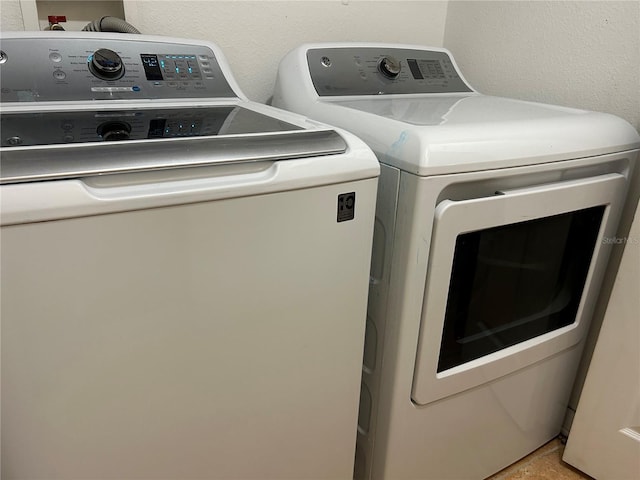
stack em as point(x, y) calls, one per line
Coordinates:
point(554, 186)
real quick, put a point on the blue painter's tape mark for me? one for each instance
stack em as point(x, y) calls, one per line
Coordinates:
point(396, 146)
point(400, 142)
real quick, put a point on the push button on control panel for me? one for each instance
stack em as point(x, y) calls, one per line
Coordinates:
point(175, 69)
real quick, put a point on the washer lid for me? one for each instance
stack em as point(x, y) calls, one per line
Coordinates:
point(36, 145)
point(436, 134)
point(28, 128)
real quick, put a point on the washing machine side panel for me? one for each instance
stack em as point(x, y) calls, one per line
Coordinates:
point(220, 339)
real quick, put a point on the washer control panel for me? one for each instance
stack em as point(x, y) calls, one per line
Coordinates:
point(337, 71)
point(42, 69)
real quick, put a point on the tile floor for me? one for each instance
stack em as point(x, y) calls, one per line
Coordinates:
point(543, 464)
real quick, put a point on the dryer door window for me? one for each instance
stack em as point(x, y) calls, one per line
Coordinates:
point(516, 282)
point(511, 280)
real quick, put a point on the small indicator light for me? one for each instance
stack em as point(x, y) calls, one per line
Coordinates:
point(135, 88)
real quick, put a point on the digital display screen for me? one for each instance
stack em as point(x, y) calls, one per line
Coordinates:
point(415, 69)
point(429, 69)
point(151, 66)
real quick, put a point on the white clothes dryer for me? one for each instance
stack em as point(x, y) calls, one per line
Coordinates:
point(490, 245)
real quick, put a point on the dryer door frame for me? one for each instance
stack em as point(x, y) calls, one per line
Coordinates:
point(453, 218)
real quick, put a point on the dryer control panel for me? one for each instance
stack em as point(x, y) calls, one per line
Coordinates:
point(68, 68)
point(338, 71)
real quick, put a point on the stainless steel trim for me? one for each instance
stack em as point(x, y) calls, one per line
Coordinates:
point(32, 164)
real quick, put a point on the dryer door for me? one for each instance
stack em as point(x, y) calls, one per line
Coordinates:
point(511, 280)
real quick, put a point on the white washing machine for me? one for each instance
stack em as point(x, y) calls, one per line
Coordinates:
point(184, 273)
point(490, 244)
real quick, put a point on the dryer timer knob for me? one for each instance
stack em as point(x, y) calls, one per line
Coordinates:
point(389, 67)
point(106, 64)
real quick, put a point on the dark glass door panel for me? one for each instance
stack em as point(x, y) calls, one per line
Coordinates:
point(515, 282)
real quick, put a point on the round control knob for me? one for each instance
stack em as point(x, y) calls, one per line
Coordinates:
point(114, 131)
point(106, 64)
point(389, 67)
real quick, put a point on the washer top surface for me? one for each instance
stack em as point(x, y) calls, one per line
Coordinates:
point(100, 125)
point(79, 104)
point(414, 108)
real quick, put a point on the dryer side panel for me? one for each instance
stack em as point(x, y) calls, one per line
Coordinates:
point(381, 265)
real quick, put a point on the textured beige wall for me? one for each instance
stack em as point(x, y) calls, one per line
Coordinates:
point(580, 54)
point(255, 35)
point(10, 16)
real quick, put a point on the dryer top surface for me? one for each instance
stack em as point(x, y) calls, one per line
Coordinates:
point(412, 105)
point(434, 134)
point(458, 110)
